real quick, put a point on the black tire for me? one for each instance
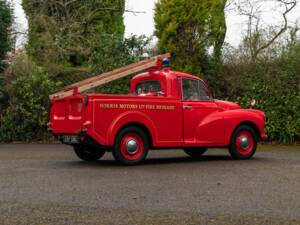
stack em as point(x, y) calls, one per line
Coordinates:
point(195, 152)
point(239, 150)
point(88, 153)
point(140, 150)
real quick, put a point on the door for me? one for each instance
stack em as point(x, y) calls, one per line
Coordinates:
point(203, 124)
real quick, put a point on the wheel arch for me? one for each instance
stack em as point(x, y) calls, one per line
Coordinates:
point(137, 125)
point(235, 118)
point(250, 124)
point(135, 119)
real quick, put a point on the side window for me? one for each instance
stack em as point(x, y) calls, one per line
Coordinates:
point(147, 87)
point(194, 90)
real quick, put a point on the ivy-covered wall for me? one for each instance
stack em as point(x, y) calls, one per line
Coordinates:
point(68, 32)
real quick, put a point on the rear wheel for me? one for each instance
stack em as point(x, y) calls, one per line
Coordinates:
point(88, 153)
point(243, 143)
point(195, 152)
point(131, 146)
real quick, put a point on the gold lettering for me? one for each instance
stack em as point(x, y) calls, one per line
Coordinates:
point(135, 106)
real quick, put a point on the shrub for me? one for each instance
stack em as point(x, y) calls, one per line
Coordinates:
point(26, 117)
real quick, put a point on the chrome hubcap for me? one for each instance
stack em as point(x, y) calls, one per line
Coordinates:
point(132, 147)
point(244, 143)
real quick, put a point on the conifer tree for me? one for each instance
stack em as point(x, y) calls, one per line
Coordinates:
point(189, 29)
point(6, 20)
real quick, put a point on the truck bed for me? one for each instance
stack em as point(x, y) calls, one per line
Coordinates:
point(101, 116)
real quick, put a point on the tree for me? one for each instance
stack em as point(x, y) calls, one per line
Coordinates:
point(6, 20)
point(189, 30)
point(255, 39)
point(67, 31)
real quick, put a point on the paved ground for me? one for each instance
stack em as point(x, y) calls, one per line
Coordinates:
point(47, 184)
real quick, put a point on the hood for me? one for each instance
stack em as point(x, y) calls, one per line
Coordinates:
point(224, 105)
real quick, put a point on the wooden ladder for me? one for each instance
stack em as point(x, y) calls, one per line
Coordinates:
point(79, 87)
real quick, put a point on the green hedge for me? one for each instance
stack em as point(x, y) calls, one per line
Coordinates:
point(274, 84)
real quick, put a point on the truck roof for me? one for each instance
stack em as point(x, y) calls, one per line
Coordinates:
point(167, 77)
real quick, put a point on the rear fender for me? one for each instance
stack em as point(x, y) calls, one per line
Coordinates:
point(128, 118)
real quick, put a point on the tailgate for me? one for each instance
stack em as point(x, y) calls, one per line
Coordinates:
point(67, 115)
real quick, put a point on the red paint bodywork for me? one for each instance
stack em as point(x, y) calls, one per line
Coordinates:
point(169, 121)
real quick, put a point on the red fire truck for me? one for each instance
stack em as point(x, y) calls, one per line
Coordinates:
point(164, 110)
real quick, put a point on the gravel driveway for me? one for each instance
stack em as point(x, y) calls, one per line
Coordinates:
point(47, 184)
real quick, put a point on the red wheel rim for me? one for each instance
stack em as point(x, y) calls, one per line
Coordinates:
point(244, 143)
point(132, 146)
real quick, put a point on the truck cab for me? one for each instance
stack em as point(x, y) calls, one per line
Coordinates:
point(164, 109)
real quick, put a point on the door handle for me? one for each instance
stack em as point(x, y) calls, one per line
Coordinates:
point(187, 107)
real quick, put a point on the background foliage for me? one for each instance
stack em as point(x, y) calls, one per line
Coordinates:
point(70, 40)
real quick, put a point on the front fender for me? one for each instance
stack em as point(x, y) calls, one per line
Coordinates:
point(234, 118)
point(128, 118)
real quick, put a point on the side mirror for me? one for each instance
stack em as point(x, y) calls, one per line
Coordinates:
point(253, 103)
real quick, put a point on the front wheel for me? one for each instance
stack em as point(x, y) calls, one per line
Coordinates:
point(243, 143)
point(195, 152)
point(131, 146)
point(88, 153)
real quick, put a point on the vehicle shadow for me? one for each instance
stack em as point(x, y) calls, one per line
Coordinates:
point(160, 161)
point(186, 159)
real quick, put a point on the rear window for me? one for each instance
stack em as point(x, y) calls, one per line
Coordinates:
point(147, 87)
